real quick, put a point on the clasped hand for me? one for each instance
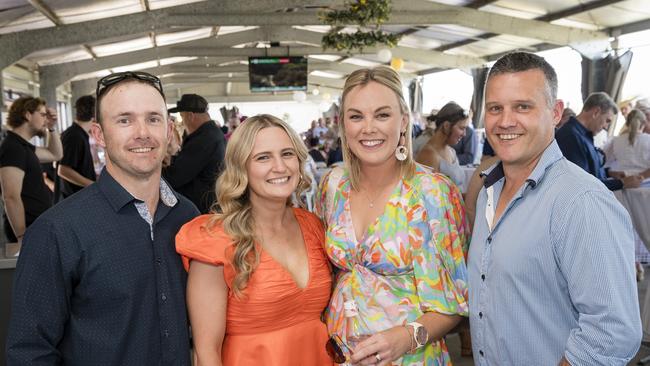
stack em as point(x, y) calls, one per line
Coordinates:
point(382, 348)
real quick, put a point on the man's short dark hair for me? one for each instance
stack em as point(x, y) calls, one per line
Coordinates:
point(600, 100)
point(107, 83)
point(22, 105)
point(85, 108)
point(523, 61)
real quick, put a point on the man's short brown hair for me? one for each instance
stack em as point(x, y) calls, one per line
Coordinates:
point(19, 107)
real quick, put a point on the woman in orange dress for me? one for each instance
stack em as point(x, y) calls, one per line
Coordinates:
point(258, 275)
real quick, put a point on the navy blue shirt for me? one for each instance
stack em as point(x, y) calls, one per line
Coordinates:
point(577, 145)
point(99, 283)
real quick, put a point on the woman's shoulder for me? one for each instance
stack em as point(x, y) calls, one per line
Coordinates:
point(307, 220)
point(203, 238)
point(425, 177)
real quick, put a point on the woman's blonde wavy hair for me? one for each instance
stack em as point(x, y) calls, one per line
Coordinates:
point(234, 207)
point(387, 77)
point(635, 119)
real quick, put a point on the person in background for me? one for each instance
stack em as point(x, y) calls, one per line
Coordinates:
point(335, 154)
point(98, 281)
point(466, 147)
point(76, 168)
point(567, 113)
point(25, 194)
point(396, 233)
point(193, 171)
point(258, 276)
point(314, 150)
point(451, 123)
point(576, 140)
point(628, 154)
point(551, 262)
point(423, 138)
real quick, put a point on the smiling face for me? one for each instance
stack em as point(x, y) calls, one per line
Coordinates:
point(134, 131)
point(457, 132)
point(373, 122)
point(273, 167)
point(519, 121)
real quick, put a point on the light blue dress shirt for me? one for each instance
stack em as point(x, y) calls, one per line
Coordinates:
point(555, 275)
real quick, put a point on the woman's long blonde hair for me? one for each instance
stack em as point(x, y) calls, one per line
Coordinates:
point(387, 77)
point(234, 207)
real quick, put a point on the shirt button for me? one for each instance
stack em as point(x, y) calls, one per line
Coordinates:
point(489, 239)
point(158, 260)
point(480, 353)
point(166, 333)
point(483, 277)
point(164, 297)
point(480, 314)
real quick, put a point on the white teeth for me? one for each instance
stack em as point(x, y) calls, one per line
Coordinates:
point(508, 137)
point(371, 143)
point(141, 149)
point(278, 180)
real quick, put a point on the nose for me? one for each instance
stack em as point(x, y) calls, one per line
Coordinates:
point(279, 165)
point(506, 119)
point(368, 125)
point(142, 129)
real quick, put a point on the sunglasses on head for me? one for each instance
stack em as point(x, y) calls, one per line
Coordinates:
point(106, 82)
point(337, 349)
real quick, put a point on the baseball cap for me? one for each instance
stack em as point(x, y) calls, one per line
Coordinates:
point(190, 103)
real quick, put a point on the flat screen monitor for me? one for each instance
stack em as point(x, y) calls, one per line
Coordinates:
point(267, 74)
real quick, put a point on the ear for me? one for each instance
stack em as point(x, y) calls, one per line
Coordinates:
point(27, 116)
point(405, 122)
point(558, 109)
point(98, 134)
point(446, 128)
point(170, 130)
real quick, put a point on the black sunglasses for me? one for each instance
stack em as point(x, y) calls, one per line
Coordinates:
point(336, 349)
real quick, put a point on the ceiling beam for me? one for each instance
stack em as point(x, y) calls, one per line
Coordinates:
point(17, 45)
point(437, 14)
point(581, 8)
point(144, 4)
point(46, 11)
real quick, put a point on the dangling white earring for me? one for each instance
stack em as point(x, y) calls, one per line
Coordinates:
point(401, 153)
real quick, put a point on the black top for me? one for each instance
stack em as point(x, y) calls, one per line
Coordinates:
point(317, 156)
point(95, 284)
point(193, 172)
point(577, 145)
point(17, 152)
point(76, 155)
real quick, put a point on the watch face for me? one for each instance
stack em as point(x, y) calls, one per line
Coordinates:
point(421, 335)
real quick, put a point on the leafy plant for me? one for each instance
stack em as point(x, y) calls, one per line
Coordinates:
point(364, 13)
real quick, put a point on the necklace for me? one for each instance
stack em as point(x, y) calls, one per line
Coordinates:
point(371, 200)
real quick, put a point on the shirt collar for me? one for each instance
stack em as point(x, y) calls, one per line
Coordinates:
point(551, 154)
point(118, 196)
point(20, 139)
point(580, 128)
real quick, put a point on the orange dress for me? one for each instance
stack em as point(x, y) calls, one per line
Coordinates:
point(275, 322)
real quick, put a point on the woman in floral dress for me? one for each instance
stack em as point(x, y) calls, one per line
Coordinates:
point(396, 233)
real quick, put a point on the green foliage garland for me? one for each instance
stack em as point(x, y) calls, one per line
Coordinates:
point(365, 13)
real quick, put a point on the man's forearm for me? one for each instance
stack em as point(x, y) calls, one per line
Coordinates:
point(16, 215)
point(73, 176)
point(54, 145)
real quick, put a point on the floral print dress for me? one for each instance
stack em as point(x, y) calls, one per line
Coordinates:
point(411, 260)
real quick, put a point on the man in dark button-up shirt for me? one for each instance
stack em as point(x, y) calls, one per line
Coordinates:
point(576, 139)
point(98, 281)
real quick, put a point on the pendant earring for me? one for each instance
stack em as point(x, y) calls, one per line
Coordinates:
point(401, 153)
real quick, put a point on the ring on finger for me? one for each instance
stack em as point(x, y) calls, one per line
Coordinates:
point(378, 357)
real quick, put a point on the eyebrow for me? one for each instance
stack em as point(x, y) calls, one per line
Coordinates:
point(376, 110)
point(150, 113)
point(270, 152)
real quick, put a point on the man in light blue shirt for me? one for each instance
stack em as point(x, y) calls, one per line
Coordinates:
point(551, 263)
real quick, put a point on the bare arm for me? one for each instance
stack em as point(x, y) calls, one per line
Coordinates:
point(54, 149)
point(207, 301)
point(73, 176)
point(11, 180)
point(428, 157)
